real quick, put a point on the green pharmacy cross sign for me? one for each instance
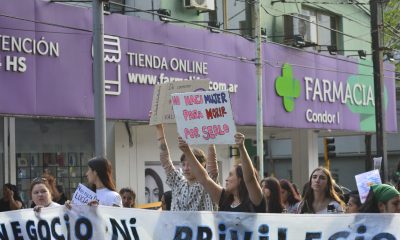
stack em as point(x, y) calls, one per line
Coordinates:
point(287, 87)
point(336, 97)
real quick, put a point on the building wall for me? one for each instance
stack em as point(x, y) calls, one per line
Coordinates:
point(353, 21)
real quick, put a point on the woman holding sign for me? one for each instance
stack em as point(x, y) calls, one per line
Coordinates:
point(187, 193)
point(242, 192)
point(99, 174)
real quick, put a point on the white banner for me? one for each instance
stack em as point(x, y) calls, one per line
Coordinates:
point(204, 117)
point(84, 222)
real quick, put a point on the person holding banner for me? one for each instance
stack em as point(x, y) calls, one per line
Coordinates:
point(99, 174)
point(58, 196)
point(242, 192)
point(41, 194)
point(320, 196)
point(187, 193)
point(382, 198)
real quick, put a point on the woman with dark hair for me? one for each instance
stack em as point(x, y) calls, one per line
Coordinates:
point(296, 189)
point(382, 198)
point(353, 204)
point(290, 197)
point(242, 192)
point(166, 201)
point(99, 175)
point(11, 199)
point(187, 193)
point(320, 196)
point(154, 187)
point(128, 197)
point(272, 193)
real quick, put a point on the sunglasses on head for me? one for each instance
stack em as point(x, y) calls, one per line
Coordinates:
point(39, 179)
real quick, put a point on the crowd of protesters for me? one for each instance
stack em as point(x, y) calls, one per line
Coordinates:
point(196, 188)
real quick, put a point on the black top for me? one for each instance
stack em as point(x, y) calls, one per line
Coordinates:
point(5, 205)
point(245, 206)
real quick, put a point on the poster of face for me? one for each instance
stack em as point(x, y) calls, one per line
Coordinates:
point(155, 182)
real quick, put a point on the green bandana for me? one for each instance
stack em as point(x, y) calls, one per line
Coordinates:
point(384, 192)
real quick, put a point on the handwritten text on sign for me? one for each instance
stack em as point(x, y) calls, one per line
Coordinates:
point(83, 195)
point(204, 117)
point(161, 108)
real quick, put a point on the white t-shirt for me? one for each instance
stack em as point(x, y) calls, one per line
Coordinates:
point(53, 204)
point(107, 197)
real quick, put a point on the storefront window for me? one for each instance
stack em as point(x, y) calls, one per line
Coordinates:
point(58, 147)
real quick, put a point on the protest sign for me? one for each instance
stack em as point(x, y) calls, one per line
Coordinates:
point(365, 181)
point(83, 195)
point(204, 117)
point(111, 223)
point(161, 107)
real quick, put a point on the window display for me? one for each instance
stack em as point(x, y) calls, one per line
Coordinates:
point(60, 148)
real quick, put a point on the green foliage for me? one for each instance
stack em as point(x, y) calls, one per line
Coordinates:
point(392, 26)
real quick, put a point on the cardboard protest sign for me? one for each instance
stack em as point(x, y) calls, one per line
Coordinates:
point(161, 107)
point(83, 195)
point(204, 117)
point(365, 181)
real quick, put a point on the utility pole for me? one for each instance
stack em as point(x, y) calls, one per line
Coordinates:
point(98, 78)
point(377, 59)
point(259, 68)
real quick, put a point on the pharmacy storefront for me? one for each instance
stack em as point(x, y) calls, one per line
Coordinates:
point(46, 98)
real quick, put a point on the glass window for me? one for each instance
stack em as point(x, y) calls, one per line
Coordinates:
point(325, 22)
point(58, 147)
point(237, 20)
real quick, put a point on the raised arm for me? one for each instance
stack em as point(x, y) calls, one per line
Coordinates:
point(212, 166)
point(14, 204)
point(249, 175)
point(200, 173)
point(165, 157)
